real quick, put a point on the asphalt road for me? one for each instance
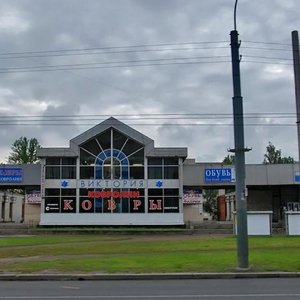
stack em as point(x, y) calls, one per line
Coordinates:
point(277, 288)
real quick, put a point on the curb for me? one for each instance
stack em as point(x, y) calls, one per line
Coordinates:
point(151, 276)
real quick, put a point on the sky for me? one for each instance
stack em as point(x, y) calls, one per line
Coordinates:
point(162, 67)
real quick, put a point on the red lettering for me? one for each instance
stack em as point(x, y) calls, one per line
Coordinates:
point(114, 194)
point(111, 205)
point(135, 194)
point(136, 204)
point(67, 205)
point(86, 204)
point(155, 204)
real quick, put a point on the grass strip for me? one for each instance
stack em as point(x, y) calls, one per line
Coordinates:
point(139, 254)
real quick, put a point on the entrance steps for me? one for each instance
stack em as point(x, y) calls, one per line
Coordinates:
point(212, 227)
point(15, 229)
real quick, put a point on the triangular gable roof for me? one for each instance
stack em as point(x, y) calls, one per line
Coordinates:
point(74, 149)
point(116, 124)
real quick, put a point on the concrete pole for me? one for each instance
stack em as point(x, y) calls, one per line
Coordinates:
point(240, 187)
point(295, 43)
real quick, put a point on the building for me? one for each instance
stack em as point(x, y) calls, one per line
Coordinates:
point(114, 175)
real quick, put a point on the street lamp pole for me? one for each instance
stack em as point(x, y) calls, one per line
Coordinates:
point(239, 150)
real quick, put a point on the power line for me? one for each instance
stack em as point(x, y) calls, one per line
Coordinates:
point(267, 43)
point(111, 62)
point(140, 46)
point(111, 52)
point(266, 62)
point(268, 49)
point(114, 47)
point(150, 124)
point(267, 57)
point(114, 66)
point(152, 115)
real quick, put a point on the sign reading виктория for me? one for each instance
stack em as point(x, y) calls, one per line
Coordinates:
point(11, 175)
point(219, 175)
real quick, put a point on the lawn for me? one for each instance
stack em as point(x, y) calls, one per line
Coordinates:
point(143, 253)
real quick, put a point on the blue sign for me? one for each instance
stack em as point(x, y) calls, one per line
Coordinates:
point(297, 177)
point(64, 184)
point(11, 175)
point(159, 183)
point(219, 175)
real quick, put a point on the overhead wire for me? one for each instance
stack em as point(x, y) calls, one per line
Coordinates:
point(196, 119)
point(114, 47)
point(134, 63)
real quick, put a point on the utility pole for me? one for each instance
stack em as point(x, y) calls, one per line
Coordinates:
point(296, 60)
point(295, 43)
point(239, 150)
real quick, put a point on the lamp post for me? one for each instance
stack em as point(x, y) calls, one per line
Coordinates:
point(239, 150)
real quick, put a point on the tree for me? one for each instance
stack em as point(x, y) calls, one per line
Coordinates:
point(24, 151)
point(273, 156)
point(229, 160)
point(210, 203)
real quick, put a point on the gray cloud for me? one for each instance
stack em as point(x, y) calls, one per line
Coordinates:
point(202, 88)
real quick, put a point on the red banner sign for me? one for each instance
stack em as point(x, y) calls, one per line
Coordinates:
point(113, 194)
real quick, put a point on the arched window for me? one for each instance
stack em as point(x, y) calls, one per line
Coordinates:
point(112, 165)
point(111, 155)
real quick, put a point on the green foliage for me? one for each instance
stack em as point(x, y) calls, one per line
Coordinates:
point(273, 156)
point(210, 203)
point(229, 160)
point(24, 151)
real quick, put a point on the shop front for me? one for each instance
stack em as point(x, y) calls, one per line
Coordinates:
point(112, 175)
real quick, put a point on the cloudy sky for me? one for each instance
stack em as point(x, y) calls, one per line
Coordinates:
point(160, 66)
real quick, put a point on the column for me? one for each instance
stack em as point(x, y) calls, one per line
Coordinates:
point(4, 208)
point(232, 206)
point(228, 212)
point(1, 209)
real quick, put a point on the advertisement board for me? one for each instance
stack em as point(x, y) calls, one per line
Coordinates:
point(192, 196)
point(11, 175)
point(33, 197)
point(219, 175)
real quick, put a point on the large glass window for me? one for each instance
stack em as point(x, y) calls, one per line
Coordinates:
point(60, 168)
point(163, 168)
point(60, 200)
point(163, 200)
point(112, 155)
point(52, 172)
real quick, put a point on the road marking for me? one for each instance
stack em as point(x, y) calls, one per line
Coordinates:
point(71, 287)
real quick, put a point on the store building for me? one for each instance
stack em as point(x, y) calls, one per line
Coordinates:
point(112, 175)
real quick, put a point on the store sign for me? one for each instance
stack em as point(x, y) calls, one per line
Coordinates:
point(117, 184)
point(11, 175)
point(219, 175)
point(113, 194)
point(33, 197)
point(192, 196)
point(52, 205)
point(297, 177)
point(68, 205)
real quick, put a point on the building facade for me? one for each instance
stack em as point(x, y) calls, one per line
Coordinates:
point(112, 175)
